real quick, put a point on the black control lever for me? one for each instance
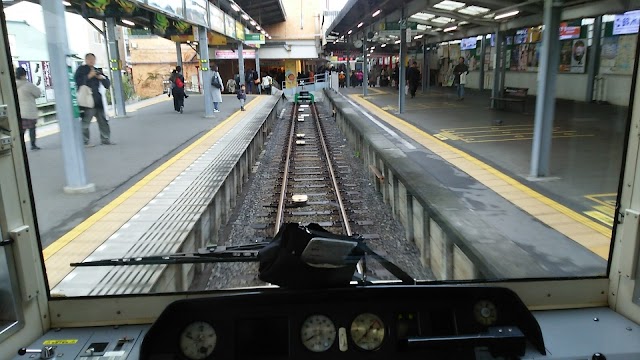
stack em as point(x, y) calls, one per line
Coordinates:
point(501, 341)
point(46, 352)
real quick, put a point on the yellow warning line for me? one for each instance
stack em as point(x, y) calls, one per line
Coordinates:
point(80, 228)
point(420, 136)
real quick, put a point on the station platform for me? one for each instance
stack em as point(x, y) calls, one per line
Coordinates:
point(453, 150)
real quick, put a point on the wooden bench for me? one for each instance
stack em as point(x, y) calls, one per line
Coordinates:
point(514, 95)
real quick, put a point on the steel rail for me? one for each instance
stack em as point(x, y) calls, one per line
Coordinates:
point(285, 175)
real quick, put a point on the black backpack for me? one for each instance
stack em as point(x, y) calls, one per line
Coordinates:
point(215, 81)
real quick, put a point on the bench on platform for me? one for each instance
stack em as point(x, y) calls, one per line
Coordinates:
point(513, 95)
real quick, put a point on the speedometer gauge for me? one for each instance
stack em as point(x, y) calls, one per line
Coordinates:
point(367, 331)
point(198, 340)
point(318, 333)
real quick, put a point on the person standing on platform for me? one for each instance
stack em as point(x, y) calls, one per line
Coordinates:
point(413, 78)
point(217, 88)
point(178, 91)
point(460, 77)
point(92, 77)
point(27, 95)
point(172, 79)
point(242, 97)
point(231, 86)
point(267, 82)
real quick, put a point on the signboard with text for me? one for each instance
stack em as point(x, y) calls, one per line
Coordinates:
point(197, 12)
point(254, 39)
point(239, 30)
point(174, 7)
point(233, 54)
point(627, 23)
point(569, 32)
point(229, 26)
point(216, 19)
point(468, 43)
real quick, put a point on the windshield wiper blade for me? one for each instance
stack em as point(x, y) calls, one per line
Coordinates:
point(210, 254)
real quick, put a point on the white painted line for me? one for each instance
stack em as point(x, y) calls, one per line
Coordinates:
point(381, 125)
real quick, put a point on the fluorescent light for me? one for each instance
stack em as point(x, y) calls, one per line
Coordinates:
point(383, 45)
point(376, 13)
point(252, 22)
point(449, 5)
point(450, 28)
point(417, 37)
point(245, 16)
point(263, 32)
point(125, 21)
point(66, 3)
point(373, 47)
point(235, 7)
point(360, 25)
point(510, 13)
point(349, 32)
point(397, 42)
point(258, 27)
point(463, 23)
point(474, 10)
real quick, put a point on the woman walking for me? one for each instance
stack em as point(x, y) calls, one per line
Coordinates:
point(27, 95)
point(217, 89)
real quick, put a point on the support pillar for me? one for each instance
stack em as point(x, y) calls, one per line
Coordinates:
point(179, 54)
point(593, 65)
point(348, 74)
point(241, 64)
point(258, 69)
point(365, 75)
point(114, 66)
point(497, 70)
point(402, 78)
point(69, 122)
point(425, 66)
point(483, 52)
point(546, 98)
point(503, 67)
point(203, 47)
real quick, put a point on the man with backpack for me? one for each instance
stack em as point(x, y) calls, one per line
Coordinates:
point(178, 90)
point(217, 88)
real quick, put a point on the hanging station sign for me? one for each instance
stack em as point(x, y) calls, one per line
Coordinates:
point(627, 23)
point(197, 12)
point(216, 19)
point(233, 54)
point(229, 26)
point(239, 30)
point(254, 39)
point(173, 7)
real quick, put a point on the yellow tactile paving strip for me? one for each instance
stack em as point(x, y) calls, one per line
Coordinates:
point(590, 234)
point(84, 239)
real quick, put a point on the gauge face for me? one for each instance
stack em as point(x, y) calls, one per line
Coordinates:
point(318, 333)
point(197, 340)
point(485, 312)
point(367, 331)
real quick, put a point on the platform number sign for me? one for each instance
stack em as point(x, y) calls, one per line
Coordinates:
point(74, 97)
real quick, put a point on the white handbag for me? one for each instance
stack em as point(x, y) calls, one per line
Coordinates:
point(85, 97)
point(463, 78)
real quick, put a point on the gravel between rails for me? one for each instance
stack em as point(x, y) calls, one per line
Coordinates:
point(255, 211)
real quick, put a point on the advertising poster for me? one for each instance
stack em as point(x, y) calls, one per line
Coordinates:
point(566, 50)
point(533, 56)
point(569, 32)
point(48, 82)
point(37, 78)
point(627, 23)
point(523, 57)
point(239, 31)
point(608, 54)
point(216, 19)
point(515, 58)
point(290, 73)
point(173, 7)
point(578, 55)
point(197, 12)
point(229, 26)
point(507, 59)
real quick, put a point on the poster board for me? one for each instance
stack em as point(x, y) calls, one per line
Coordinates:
point(216, 19)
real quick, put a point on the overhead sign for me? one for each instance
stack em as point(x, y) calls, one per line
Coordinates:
point(468, 43)
point(216, 19)
point(174, 7)
point(254, 39)
point(197, 12)
point(229, 26)
point(626, 23)
point(239, 30)
point(232, 54)
point(216, 39)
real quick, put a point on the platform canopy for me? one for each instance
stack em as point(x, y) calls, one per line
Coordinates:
point(266, 12)
point(443, 20)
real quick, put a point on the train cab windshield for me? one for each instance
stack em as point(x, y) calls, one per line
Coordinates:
point(277, 179)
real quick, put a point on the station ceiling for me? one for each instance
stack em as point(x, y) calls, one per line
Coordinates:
point(266, 12)
point(461, 18)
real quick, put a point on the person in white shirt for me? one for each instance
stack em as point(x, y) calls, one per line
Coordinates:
point(27, 95)
point(267, 81)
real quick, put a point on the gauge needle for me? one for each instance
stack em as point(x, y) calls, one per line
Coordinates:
point(311, 337)
point(367, 332)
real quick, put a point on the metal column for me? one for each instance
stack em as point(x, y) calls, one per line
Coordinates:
point(425, 67)
point(70, 125)
point(348, 70)
point(497, 70)
point(402, 78)
point(203, 47)
point(179, 54)
point(483, 52)
point(546, 98)
point(365, 75)
point(241, 64)
point(258, 69)
point(594, 56)
point(114, 65)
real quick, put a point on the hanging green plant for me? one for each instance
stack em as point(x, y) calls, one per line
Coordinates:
point(182, 26)
point(99, 6)
point(127, 6)
point(160, 24)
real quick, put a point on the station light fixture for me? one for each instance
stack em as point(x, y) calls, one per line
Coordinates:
point(450, 29)
point(360, 25)
point(349, 32)
point(245, 16)
point(263, 32)
point(66, 3)
point(505, 15)
point(418, 37)
point(235, 7)
point(130, 23)
point(376, 13)
point(383, 45)
point(252, 22)
point(258, 27)
point(397, 42)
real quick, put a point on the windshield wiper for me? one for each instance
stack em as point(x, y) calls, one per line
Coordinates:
point(209, 254)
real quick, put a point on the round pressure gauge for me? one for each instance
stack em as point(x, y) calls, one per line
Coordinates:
point(198, 340)
point(485, 312)
point(318, 333)
point(367, 331)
